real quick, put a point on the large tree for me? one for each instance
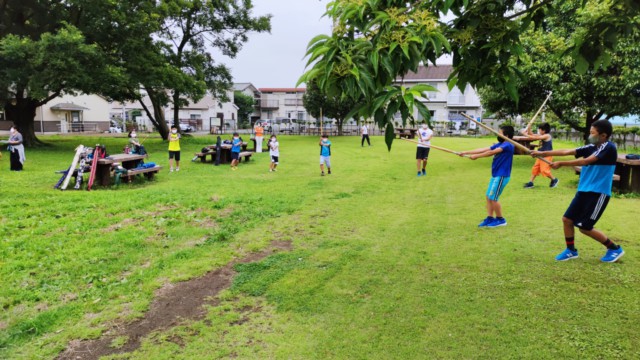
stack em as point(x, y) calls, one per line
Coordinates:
point(579, 99)
point(190, 29)
point(45, 52)
point(317, 103)
point(375, 42)
point(245, 104)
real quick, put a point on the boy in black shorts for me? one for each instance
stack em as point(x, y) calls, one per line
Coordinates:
point(598, 161)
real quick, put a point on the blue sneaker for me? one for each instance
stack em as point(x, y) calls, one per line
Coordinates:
point(419, 174)
point(486, 221)
point(567, 255)
point(613, 255)
point(497, 222)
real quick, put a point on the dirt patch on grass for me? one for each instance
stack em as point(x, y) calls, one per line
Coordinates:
point(174, 304)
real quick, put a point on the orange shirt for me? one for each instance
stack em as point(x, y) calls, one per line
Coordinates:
point(259, 130)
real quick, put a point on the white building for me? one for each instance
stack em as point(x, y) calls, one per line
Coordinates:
point(282, 103)
point(73, 113)
point(250, 90)
point(445, 106)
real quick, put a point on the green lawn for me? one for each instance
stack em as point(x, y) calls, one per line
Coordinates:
point(384, 264)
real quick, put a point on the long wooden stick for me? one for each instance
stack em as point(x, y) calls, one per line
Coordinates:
point(436, 147)
point(537, 113)
point(321, 124)
point(513, 142)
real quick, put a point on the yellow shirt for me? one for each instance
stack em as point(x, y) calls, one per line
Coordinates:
point(174, 142)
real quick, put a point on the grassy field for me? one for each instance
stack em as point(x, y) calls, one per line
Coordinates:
point(384, 265)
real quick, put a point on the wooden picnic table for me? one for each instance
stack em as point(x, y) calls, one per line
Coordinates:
point(406, 133)
point(629, 171)
point(127, 161)
point(225, 152)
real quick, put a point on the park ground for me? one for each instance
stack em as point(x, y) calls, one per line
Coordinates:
point(370, 262)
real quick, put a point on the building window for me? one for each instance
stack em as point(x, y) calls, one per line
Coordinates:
point(432, 95)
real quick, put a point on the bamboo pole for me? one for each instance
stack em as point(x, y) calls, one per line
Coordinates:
point(513, 142)
point(538, 112)
point(436, 147)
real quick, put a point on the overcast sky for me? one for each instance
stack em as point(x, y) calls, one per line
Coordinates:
point(277, 59)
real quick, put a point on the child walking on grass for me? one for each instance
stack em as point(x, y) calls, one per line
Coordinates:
point(598, 161)
point(236, 145)
point(274, 152)
point(502, 153)
point(174, 149)
point(325, 154)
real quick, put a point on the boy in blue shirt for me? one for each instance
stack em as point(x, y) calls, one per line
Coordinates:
point(236, 144)
point(502, 153)
point(598, 161)
point(325, 154)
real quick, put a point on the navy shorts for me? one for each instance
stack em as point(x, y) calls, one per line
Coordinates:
point(174, 154)
point(586, 208)
point(235, 155)
point(422, 153)
point(274, 159)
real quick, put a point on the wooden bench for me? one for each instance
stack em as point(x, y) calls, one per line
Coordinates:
point(148, 172)
point(578, 169)
point(203, 156)
point(246, 155)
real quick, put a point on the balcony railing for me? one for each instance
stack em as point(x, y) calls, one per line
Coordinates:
point(269, 104)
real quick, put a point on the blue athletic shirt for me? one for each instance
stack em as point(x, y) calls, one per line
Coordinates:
point(501, 165)
point(325, 148)
point(236, 145)
point(598, 177)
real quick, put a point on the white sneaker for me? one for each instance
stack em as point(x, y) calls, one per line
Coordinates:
point(177, 169)
point(171, 170)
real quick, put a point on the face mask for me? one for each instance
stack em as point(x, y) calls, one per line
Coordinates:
point(174, 131)
point(593, 139)
point(424, 127)
point(133, 135)
point(13, 130)
point(235, 138)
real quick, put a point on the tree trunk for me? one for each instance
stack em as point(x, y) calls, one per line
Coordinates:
point(176, 110)
point(157, 118)
point(339, 123)
point(23, 115)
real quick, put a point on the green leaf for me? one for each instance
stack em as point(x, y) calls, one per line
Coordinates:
point(582, 65)
point(389, 135)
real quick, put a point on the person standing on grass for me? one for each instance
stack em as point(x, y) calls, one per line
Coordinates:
point(364, 131)
point(598, 161)
point(274, 152)
point(424, 145)
point(502, 153)
point(174, 148)
point(540, 167)
point(259, 130)
point(325, 154)
point(16, 149)
point(236, 144)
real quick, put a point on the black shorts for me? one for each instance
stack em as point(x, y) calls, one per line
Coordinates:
point(422, 153)
point(274, 159)
point(586, 208)
point(235, 155)
point(174, 155)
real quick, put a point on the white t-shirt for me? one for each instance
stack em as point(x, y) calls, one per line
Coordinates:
point(274, 149)
point(424, 134)
point(365, 130)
